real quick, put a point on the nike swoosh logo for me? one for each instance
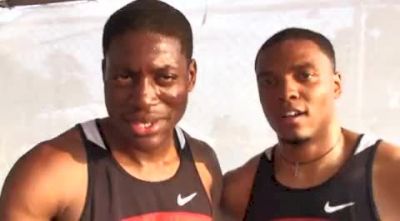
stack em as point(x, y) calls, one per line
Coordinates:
point(181, 201)
point(331, 209)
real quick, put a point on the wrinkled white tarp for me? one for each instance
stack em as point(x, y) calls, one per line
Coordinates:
point(50, 69)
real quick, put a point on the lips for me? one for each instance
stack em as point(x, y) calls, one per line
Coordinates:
point(144, 124)
point(144, 128)
point(291, 116)
point(292, 113)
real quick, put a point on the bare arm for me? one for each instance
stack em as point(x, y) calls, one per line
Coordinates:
point(237, 189)
point(386, 181)
point(210, 173)
point(216, 174)
point(47, 183)
point(29, 191)
point(216, 186)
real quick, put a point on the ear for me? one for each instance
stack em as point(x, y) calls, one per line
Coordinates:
point(337, 80)
point(192, 72)
point(103, 69)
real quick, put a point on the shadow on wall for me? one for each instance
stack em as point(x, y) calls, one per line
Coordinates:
point(67, 90)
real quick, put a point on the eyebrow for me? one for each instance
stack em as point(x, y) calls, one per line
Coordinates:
point(164, 68)
point(161, 68)
point(268, 72)
point(302, 65)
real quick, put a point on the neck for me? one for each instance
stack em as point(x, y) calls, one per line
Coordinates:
point(310, 156)
point(308, 151)
point(133, 151)
point(308, 148)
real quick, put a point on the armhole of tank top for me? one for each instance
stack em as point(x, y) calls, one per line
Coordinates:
point(85, 142)
point(189, 142)
point(185, 148)
point(370, 163)
point(260, 164)
point(89, 188)
point(105, 143)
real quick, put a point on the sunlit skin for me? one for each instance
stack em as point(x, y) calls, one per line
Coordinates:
point(303, 81)
point(147, 79)
point(298, 87)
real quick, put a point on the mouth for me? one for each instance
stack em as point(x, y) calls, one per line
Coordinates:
point(145, 127)
point(293, 113)
point(145, 124)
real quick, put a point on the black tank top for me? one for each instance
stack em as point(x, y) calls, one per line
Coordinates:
point(114, 195)
point(347, 196)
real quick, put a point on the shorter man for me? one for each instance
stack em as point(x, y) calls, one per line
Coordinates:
point(317, 170)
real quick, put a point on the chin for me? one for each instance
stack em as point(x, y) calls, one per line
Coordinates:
point(294, 140)
point(147, 143)
point(293, 137)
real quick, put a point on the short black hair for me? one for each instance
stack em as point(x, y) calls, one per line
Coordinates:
point(301, 34)
point(149, 15)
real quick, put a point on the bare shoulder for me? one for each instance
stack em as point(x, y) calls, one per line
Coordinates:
point(241, 175)
point(206, 160)
point(386, 180)
point(203, 152)
point(388, 151)
point(237, 188)
point(41, 181)
point(387, 161)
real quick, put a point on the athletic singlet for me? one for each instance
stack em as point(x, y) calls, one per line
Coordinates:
point(345, 196)
point(114, 195)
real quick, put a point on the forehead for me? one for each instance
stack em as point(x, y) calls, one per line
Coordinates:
point(292, 52)
point(144, 46)
point(144, 41)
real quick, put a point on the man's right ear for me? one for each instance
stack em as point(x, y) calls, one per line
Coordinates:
point(103, 69)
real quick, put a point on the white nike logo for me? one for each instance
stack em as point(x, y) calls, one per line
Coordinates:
point(331, 209)
point(183, 200)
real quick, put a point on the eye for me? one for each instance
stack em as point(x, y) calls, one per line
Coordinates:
point(166, 78)
point(267, 80)
point(305, 75)
point(123, 79)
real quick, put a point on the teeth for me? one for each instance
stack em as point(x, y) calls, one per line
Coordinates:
point(291, 113)
point(147, 124)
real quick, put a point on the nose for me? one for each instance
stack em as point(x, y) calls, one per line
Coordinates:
point(144, 94)
point(288, 90)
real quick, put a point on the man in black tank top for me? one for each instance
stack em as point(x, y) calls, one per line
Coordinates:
point(317, 170)
point(135, 164)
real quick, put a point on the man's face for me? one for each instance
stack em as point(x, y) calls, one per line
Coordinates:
point(147, 80)
point(298, 88)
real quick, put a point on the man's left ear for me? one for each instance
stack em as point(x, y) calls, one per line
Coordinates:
point(337, 78)
point(192, 72)
point(103, 68)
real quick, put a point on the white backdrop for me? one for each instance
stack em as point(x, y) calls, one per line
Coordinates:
point(50, 69)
